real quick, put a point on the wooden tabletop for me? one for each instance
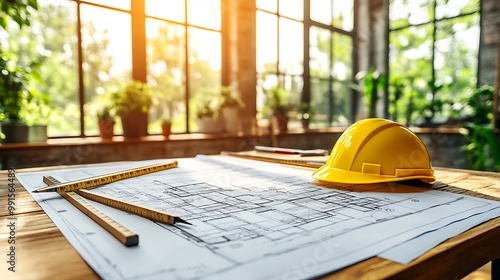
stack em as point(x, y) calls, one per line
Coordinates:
point(42, 252)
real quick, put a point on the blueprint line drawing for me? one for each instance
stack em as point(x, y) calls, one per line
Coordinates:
point(251, 220)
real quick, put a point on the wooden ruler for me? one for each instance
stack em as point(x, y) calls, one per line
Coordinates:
point(123, 234)
point(120, 204)
point(107, 178)
point(134, 208)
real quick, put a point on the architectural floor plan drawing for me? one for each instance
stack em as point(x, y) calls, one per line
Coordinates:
point(251, 220)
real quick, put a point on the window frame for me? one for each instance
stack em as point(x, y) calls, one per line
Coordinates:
point(433, 22)
point(307, 23)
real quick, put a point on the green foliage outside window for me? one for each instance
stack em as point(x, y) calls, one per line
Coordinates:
point(431, 63)
point(15, 77)
point(52, 39)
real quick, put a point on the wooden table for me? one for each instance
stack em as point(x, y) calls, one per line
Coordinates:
point(42, 252)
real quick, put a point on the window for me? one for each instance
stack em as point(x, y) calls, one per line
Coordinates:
point(330, 63)
point(184, 58)
point(433, 55)
point(280, 54)
point(106, 58)
point(318, 79)
point(86, 49)
point(52, 41)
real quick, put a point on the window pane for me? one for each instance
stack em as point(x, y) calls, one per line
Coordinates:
point(292, 8)
point(411, 67)
point(446, 8)
point(171, 9)
point(120, 4)
point(268, 5)
point(293, 85)
point(412, 87)
point(205, 13)
point(343, 15)
point(411, 51)
point(52, 39)
point(331, 104)
point(267, 43)
point(166, 73)
point(403, 13)
point(321, 11)
point(264, 82)
point(107, 53)
point(291, 47)
point(341, 104)
point(204, 69)
point(320, 102)
point(457, 45)
point(319, 52)
point(342, 57)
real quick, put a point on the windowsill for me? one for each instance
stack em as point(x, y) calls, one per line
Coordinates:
point(96, 140)
point(117, 140)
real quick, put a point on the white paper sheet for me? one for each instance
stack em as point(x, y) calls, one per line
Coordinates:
point(252, 220)
point(406, 252)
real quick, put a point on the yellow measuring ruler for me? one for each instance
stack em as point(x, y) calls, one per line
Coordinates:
point(123, 234)
point(134, 208)
point(106, 178)
point(80, 187)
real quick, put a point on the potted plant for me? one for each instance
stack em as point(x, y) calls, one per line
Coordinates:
point(209, 118)
point(373, 82)
point(14, 93)
point(277, 105)
point(14, 79)
point(106, 123)
point(166, 126)
point(132, 102)
point(230, 103)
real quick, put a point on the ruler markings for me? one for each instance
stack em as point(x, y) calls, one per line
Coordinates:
point(120, 232)
point(106, 178)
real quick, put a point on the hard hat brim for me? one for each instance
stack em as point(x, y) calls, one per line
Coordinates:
point(334, 175)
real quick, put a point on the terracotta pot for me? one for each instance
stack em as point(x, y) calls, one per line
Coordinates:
point(166, 129)
point(280, 122)
point(106, 129)
point(211, 125)
point(305, 123)
point(135, 124)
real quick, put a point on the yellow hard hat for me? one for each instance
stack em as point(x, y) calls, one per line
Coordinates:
point(376, 150)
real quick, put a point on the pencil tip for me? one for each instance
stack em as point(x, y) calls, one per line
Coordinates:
point(179, 220)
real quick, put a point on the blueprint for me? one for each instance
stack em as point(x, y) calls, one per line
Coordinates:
point(252, 220)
